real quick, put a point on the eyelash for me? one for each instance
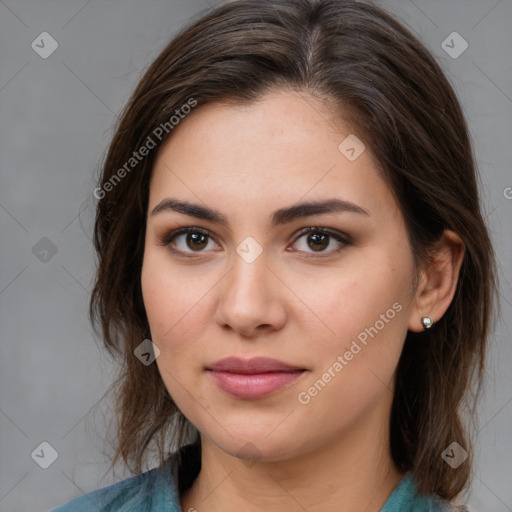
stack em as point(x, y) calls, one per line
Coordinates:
point(169, 237)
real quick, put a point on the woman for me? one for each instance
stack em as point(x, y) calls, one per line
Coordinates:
point(294, 271)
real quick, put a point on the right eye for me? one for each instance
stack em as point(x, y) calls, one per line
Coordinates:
point(187, 240)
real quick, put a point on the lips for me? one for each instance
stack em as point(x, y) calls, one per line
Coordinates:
point(251, 366)
point(253, 378)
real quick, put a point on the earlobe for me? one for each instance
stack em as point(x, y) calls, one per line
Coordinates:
point(437, 284)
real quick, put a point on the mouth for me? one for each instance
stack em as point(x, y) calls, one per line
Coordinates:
point(253, 378)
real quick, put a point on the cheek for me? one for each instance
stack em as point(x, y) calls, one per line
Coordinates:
point(355, 369)
point(366, 314)
point(174, 312)
point(175, 305)
point(347, 303)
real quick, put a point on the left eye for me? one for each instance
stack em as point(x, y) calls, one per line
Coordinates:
point(319, 239)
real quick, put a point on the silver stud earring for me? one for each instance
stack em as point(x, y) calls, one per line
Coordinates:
point(427, 322)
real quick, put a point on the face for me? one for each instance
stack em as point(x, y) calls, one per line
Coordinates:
point(323, 290)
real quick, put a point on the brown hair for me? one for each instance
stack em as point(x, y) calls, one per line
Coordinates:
point(360, 59)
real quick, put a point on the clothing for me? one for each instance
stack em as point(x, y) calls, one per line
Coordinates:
point(158, 490)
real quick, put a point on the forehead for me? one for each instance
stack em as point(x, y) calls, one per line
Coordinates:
point(284, 147)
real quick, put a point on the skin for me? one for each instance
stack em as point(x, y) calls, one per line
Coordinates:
point(246, 162)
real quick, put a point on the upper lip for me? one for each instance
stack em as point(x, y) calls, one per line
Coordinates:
point(253, 365)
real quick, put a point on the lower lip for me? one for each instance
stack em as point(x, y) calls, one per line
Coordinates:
point(252, 386)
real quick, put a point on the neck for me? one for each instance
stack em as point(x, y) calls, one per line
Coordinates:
point(355, 471)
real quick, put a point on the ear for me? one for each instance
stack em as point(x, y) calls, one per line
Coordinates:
point(438, 282)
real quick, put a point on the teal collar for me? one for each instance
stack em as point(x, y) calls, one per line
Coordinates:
point(185, 465)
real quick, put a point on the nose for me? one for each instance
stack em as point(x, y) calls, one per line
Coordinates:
point(251, 300)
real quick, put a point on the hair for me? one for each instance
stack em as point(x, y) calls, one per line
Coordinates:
point(390, 90)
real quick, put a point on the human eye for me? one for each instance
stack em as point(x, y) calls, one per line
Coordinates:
point(188, 240)
point(318, 239)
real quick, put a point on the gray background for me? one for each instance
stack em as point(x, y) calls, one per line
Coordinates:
point(57, 117)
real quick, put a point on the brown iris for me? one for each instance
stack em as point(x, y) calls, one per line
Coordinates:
point(320, 241)
point(199, 241)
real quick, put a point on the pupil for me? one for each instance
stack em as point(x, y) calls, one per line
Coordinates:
point(320, 241)
point(195, 238)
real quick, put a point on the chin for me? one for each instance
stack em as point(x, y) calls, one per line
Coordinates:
point(255, 444)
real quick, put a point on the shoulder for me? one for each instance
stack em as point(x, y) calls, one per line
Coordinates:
point(113, 497)
point(149, 491)
point(406, 498)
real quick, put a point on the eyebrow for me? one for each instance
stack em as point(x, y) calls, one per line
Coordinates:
point(281, 216)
